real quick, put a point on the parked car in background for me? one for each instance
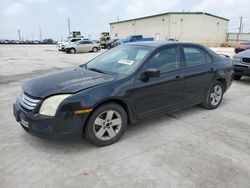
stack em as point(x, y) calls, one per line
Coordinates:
point(61, 45)
point(111, 43)
point(242, 46)
point(137, 38)
point(82, 46)
point(48, 41)
point(241, 63)
point(117, 43)
point(126, 84)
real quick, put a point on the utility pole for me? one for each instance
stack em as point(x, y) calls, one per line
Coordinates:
point(240, 29)
point(69, 25)
point(19, 34)
point(40, 33)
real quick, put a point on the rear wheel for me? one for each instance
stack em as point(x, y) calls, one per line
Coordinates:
point(214, 96)
point(106, 124)
point(237, 77)
point(95, 49)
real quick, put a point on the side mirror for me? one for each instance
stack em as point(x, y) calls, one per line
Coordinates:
point(150, 73)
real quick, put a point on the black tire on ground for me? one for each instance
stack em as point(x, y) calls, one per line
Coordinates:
point(210, 103)
point(92, 129)
point(95, 49)
point(72, 50)
point(237, 77)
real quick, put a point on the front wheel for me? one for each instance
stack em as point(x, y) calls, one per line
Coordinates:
point(214, 96)
point(106, 124)
point(72, 50)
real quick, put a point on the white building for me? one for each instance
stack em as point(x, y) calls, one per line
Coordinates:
point(183, 26)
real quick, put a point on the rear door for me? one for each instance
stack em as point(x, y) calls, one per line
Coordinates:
point(198, 74)
point(88, 46)
point(80, 46)
point(164, 93)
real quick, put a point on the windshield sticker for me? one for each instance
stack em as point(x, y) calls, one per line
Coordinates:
point(126, 61)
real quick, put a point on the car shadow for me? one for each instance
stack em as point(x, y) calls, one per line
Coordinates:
point(244, 80)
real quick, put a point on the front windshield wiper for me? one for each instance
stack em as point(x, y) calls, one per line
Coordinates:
point(96, 70)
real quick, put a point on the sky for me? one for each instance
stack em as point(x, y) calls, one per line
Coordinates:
point(93, 16)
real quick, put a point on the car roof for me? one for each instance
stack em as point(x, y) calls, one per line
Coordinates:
point(157, 44)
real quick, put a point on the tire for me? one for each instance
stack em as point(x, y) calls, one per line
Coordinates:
point(237, 77)
point(214, 96)
point(95, 49)
point(102, 130)
point(72, 50)
point(109, 46)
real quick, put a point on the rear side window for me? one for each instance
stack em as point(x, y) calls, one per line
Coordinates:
point(88, 42)
point(195, 56)
point(85, 42)
point(166, 60)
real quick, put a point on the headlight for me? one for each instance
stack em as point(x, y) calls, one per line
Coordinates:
point(50, 105)
point(236, 59)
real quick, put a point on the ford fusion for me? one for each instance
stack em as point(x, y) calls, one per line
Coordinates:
point(126, 84)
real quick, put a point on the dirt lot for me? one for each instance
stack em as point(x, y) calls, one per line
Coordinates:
point(191, 148)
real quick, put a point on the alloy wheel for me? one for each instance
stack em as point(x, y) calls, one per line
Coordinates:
point(216, 95)
point(107, 125)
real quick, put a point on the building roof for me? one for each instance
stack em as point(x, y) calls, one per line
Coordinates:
point(168, 13)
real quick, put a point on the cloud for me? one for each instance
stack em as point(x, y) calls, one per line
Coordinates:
point(141, 8)
point(14, 9)
point(104, 7)
point(231, 9)
point(36, 1)
point(61, 10)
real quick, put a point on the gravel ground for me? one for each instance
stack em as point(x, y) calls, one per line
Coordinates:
point(191, 148)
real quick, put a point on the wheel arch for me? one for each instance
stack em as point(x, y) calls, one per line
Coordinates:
point(223, 83)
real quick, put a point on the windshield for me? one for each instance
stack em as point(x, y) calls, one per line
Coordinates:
point(121, 60)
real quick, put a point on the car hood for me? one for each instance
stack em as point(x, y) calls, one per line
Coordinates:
point(245, 53)
point(64, 81)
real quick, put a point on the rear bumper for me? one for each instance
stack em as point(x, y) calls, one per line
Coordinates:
point(61, 126)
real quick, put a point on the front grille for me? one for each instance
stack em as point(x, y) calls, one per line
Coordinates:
point(246, 60)
point(27, 102)
point(24, 123)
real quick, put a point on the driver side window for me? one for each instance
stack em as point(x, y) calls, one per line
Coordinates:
point(166, 60)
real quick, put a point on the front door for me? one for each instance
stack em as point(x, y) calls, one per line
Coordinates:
point(160, 94)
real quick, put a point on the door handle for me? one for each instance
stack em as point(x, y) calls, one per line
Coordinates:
point(178, 77)
point(211, 69)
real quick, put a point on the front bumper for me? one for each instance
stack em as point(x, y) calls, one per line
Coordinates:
point(62, 125)
point(242, 69)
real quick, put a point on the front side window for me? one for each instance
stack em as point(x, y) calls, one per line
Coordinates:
point(74, 40)
point(121, 60)
point(166, 60)
point(195, 56)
